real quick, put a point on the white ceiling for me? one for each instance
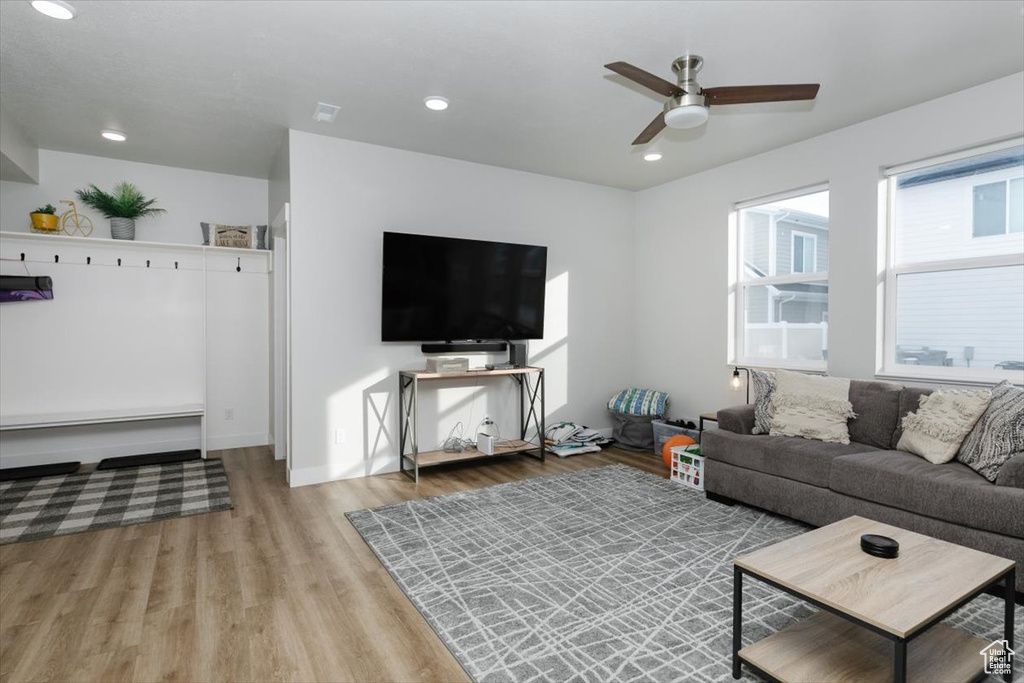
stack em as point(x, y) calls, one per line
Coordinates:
point(213, 85)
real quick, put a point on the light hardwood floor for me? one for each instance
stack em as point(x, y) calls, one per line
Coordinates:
point(280, 588)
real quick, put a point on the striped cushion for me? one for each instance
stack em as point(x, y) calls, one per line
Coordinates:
point(639, 402)
point(998, 434)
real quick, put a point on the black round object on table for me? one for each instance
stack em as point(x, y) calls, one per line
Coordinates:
point(879, 546)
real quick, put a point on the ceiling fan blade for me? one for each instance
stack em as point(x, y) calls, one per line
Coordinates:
point(652, 129)
point(648, 80)
point(747, 94)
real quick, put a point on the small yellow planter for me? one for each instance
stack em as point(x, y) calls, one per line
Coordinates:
point(44, 222)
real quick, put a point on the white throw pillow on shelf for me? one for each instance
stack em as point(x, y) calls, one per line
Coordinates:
point(811, 406)
point(941, 423)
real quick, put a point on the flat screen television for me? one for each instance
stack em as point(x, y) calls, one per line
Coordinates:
point(447, 289)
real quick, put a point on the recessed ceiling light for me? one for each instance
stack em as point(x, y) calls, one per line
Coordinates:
point(436, 103)
point(653, 156)
point(54, 8)
point(114, 135)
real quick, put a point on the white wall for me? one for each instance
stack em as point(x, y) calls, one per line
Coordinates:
point(682, 237)
point(188, 196)
point(343, 196)
point(238, 338)
point(19, 156)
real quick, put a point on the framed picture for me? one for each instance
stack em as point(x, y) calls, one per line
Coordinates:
point(238, 236)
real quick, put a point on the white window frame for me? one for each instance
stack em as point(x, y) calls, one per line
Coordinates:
point(742, 283)
point(889, 369)
point(792, 251)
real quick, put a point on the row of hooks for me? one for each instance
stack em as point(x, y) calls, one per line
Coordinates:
point(88, 261)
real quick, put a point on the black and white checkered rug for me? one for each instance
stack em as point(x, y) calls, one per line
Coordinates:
point(53, 506)
point(608, 574)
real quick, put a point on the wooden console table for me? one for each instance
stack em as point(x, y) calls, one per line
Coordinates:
point(531, 412)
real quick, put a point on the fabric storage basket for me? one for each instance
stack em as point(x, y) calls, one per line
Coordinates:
point(663, 431)
point(633, 431)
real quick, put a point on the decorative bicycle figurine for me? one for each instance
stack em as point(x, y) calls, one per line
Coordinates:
point(74, 223)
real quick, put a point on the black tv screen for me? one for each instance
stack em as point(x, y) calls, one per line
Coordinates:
point(446, 289)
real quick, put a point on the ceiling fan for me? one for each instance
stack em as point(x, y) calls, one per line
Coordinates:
point(687, 105)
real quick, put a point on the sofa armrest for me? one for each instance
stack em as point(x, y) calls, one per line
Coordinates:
point(738, 419)
point(1012, 472)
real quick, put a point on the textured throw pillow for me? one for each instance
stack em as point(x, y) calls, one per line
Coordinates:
point(812, 407)
point(939, 426)
point(639, 402)
point(764, 387)
point(999, 433)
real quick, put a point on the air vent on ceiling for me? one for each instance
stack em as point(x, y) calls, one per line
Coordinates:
point(325, 113)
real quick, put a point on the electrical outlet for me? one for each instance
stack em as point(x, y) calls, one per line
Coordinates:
point(229, 413)
point(340, 436)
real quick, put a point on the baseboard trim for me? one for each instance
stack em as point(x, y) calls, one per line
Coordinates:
point(307, 476)
point(218, 443)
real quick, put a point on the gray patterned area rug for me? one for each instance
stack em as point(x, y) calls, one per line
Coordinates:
point(31, 509)
point(607, 574)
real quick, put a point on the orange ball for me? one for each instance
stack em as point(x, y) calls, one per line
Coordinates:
point(678, 440)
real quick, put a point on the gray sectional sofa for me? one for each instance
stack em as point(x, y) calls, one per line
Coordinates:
point(820, 483)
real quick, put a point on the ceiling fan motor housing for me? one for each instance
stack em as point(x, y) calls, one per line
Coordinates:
point(680, 110)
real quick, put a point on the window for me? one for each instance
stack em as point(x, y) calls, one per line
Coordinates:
point(805, 251)
point(782, 282)
point(999, 207)
point(954, 284)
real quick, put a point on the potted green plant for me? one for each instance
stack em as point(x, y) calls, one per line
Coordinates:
point(44, 219)
point(122, 207)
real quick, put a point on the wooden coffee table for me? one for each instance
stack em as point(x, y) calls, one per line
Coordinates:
point(871, 608)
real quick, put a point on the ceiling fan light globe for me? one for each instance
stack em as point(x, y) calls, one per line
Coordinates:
point(686, 116)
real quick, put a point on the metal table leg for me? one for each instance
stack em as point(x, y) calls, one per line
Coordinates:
point(899, 665)
point(737, 619)
point(1009, 586)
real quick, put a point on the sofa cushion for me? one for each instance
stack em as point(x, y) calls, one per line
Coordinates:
point(739, 419)
point(1012, 472)
point(936, 430)
point(910, 400)
point(791, 457)
point(951, 492)
point(877, 405)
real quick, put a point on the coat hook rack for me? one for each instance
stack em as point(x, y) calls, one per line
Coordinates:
point(147, 263)
point(118, 261)
point(88, 260)
point(238, 268)
point(22, 256)
point(56, 258)
point(175, 265)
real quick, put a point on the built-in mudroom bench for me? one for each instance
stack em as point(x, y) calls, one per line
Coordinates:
point(144, 348)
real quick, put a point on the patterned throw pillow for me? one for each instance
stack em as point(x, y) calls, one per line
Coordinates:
point(999, 433)
point(764, 387)
point(639, 402)
point(812, 407)
point(939, 426)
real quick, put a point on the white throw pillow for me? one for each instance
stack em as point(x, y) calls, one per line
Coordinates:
point(811, 406)
point(942, 422)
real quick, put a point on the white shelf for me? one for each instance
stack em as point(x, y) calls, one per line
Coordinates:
point(88, 417)
point(102, 243)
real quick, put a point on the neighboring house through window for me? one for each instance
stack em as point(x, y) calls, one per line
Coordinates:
point(782, 284)
point(954, 284)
